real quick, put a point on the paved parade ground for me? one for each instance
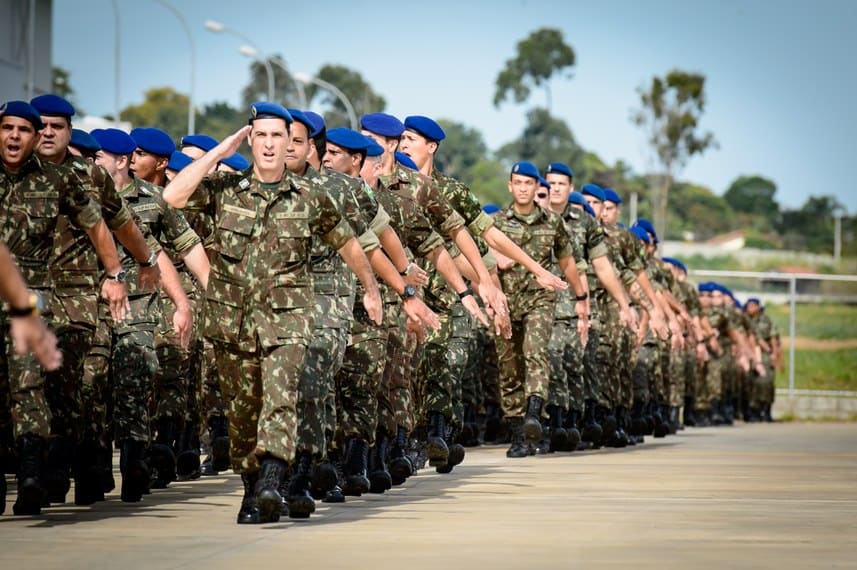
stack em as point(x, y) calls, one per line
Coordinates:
point(750, 496)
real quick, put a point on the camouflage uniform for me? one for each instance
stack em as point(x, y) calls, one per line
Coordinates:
point(259, 301)
point(763, 387)
point(524, 367)
point(32, 200)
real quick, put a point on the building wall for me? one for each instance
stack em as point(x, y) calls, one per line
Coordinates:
point(21, 59)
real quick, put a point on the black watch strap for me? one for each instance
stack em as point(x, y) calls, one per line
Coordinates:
point(583, 297)
point(465, 293)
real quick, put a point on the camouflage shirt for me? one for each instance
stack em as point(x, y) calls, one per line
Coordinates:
point(625, 252)
point(260, 270)
point(31, 202)
point(444, 219)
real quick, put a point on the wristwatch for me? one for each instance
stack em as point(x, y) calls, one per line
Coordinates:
point(465, 293)
point(583, 297)
point(35, 306)
point(408, 269)
point(119, 277)
point(409, 292)
point(151, 261)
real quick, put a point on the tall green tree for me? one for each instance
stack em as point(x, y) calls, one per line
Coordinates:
point(220, 119)
point(545, 139)
point(538, 57)
point(285, 87)
point(461, 150)
point(669, 114)
point(754, 195)
point(811, 226)
point(363, 98)
point(163, 108)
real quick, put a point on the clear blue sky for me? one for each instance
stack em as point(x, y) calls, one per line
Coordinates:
point(782, 79)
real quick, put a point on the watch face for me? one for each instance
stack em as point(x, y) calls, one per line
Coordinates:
point(410, 291)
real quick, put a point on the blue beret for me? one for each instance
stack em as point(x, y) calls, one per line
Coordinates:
point(114, 141)
point(705, 287)
point(648, 226)
point(738, 303)
point(588, 209)
point(593, 190)
point(726, 291)
point(178, 160)
point(577, 198)
point(559, 168)
point(267, 110)
point(425, 127)
point(406, 161)
point(382, 124)
point(82, 140)
point(490, 209)
point(641, 234)
point(544, 183)
point(317, 122)
point(675, 262)
point(525, 168)
point(236, 162)
point(153, 140)
point(23, 110)
point(621, 225)
point(301, 118)
point(373, 148)
point(753, 300)
point(202, 142)
point(610, 195)
point(52, 105)
point(348, 139)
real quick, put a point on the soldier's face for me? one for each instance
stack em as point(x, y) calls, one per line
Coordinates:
point(18, 139)
point(417, 147)
point(523, 189)
point(298, 149)
point(609, 212)
point(388, 144)
point(371, 170)
point(55, 138)
point(561, 187)
point(112, 163)
point(716, 298)
point(146, 166)
point(268, 141)
point(752, 309)
point(339, 159)
point(595, 204)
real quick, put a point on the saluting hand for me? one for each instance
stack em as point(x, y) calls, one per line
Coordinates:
point(232, 143)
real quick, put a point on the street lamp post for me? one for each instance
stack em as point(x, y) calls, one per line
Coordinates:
point(250, 50)
point(299, 85)
point(349, 108)
point(191, 114)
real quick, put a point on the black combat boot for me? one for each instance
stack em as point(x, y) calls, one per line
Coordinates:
point(607, 418)
point(301, 503)
point(662, 427)
point(331, 481)
point(31, 494)
point(324, 478)
point(592, 431)
point(766, 413)
point(104, 462)
point(456, 451)
point(87, 480)
point(2, 492)
point(57, 475)
point(572, 431)
point(518, 447)
point(622, 439)
point(249, 512)
point(558, 435)
point(162, 458)
point(493, 413)
point(674, 421)
point(268, 498)
point(218, 460)
point(136, 475)
point(187, 453)
point(533, 420)
point(689, 413)
point(380, 479)
point(436, 449)
point(400, 465)
point(356, 465)
point(717, 413)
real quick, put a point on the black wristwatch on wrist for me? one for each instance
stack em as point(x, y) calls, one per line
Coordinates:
point(119, 277)
point(35, 306)
point(407, 271)
point(465, 293)
point(151, 261)
point(409, 292)
point(583, 297)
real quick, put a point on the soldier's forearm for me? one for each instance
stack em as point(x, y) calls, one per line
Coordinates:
point(197, 263)
point(131, 238)
point(171, 283)
point(445, 265)
point(639, 296)
point(393, 248)
point(569, 269)
point(354, 257)
point(607, 276)
point(467, 246)
point(384, 268)
point(13, 289)
point(105, 247)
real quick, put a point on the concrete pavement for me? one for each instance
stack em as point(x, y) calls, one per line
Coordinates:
point(750, 496)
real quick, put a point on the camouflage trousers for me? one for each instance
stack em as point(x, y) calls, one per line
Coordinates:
point(23, 379)
point(324, 357)
point(443, 363)
point(472, 393)
point(646, 369)
point(96, 389)
point(593, 377)
point(691, 373)
point(608, 353)
point(133, 365)
point(763, 387)
point(713, 375)
point(395, 400)
point(64, 386)
point(566, 389)
point(523, 359)
point(625, 363)
point(261, 392)
point(358, 380)
point(677, 379)
point(211, 403)
point(175, 380)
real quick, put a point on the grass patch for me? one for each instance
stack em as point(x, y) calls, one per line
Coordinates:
point(824, 321)
point(822, 370)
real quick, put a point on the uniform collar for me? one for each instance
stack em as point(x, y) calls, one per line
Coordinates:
point(537, 214)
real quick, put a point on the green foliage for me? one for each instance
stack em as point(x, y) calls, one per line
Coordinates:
point(754, 195)
point(363, 98)
point(461, 150)
point(538, 57)
point(698, 210)
point(822, 370)
point(220, 120)
point(286, 89)
point(669, 114)
point(545, 139)
point(823, 321)
point(163, 108)
point(811, 227)
point(488, 180)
